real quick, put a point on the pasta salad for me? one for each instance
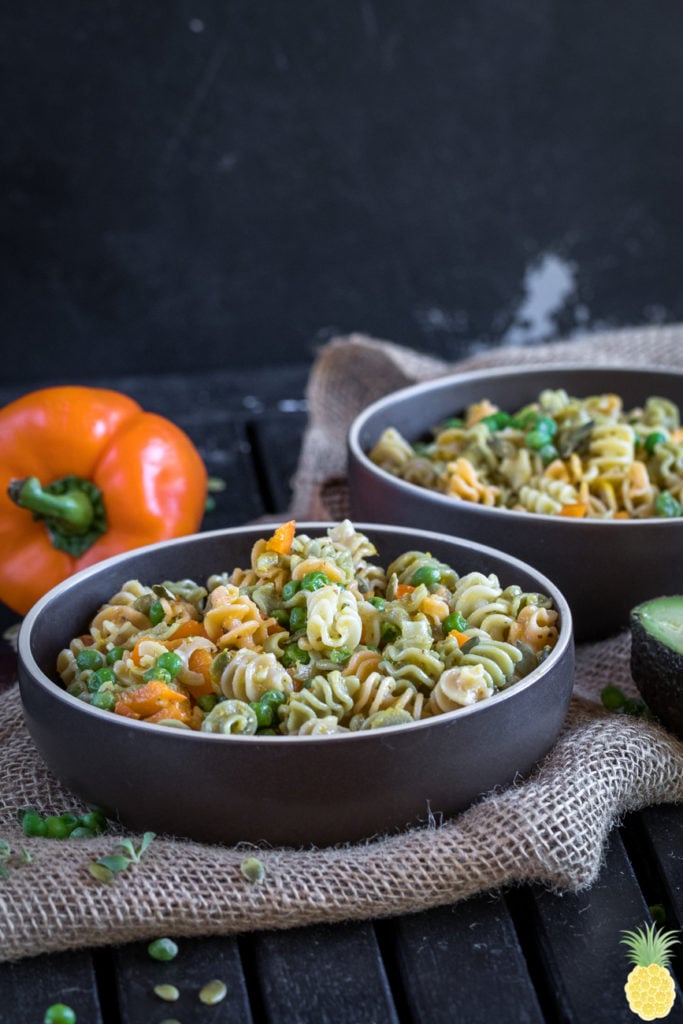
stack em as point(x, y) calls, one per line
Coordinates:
point(312, 638)
point(559, 455)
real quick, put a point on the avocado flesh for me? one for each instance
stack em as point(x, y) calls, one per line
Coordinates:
point(663, 619)
point(657, 658)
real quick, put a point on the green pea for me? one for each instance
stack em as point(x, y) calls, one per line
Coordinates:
point(428, 574)
point(102, 675)
point(297, 619)
point(388, 632)
point(55, 828)
point(81, 832)
point(162, 949)
point(653, 439)
point(114, 655)
point(33, 825)
point(89, 658)
point(290, 589)
point(273, 697)
point(264, 712)
point(667, 506)
point(378, 603)
point(156, 613)
point(455, 621)
point(281, 616)
point(161, 675)
point(293, 653)
point(536, 439)
point(612, 697)
point(547, 424)
point(525, 418)
point(69, 819)
point(207, 702)
point(94, 820)
point(548, 453)
point(314, 581)
point(104, 700)
point(59, 1013)
point(497, 420)
point(340, 655)
point(171, 662)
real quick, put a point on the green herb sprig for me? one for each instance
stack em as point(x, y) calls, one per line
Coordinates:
point(10, 860)
point(106, 868)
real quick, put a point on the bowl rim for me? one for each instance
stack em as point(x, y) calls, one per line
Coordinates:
point(472, 376)
point(37, 678)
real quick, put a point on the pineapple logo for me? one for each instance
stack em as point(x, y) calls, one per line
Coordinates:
point(650, 987)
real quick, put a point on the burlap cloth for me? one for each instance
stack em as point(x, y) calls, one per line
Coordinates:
point(550, 829)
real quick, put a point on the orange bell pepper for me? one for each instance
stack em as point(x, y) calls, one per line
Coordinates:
point(85, 473)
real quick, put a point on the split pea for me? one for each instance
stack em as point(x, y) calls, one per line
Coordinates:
point(213, 992)
point(169, 993)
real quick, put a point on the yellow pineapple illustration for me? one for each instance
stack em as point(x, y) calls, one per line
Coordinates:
point(650, 987)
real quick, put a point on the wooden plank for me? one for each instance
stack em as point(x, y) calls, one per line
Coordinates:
point(324, 974)
point(577, 939)
point(198, 961)
point(663, 850)
point(462, 962)
point(29, 987)
point(276, 441)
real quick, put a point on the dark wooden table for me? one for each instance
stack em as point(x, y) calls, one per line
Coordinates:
point(523, 956)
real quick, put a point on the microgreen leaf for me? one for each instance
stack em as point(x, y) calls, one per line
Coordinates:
point(115, 862)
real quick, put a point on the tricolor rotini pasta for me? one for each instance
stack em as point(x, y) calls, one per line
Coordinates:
point(560, 455)
point(313, 638)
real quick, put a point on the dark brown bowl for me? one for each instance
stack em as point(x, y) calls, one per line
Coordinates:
point(603, 567)
point(297, 790)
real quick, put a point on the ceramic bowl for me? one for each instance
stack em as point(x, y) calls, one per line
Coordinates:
point(603, 567)
point(297, 790)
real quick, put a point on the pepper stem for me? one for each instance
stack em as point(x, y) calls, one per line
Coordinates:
point(71, 508)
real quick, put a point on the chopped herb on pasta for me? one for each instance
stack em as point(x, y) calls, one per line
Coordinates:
point(560, 455)
point(313, 638)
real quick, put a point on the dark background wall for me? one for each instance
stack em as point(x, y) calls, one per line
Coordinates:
point(197, 184)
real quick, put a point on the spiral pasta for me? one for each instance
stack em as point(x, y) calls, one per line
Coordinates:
point(313, 638)
point(559, 455)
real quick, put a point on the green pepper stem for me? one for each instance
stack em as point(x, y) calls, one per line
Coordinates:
point(73, 510)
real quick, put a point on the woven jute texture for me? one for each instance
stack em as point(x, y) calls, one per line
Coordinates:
point(550, 828)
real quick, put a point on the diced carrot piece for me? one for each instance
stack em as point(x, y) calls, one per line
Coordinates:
point(575, 510)
point(403, 589)
point(281, 541)
point(621, 515)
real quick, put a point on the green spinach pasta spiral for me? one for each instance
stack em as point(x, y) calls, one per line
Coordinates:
point(559, 455)
point(313, 638)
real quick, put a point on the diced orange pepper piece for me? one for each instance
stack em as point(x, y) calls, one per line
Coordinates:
point(146, 700)
point(135, 653)
point(403, 589)
point(462, 638)
point(281, 541)
point(200, 662)
point(185, 629)
point(575, 510)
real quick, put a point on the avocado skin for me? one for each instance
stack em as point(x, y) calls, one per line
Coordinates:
point(657, 671)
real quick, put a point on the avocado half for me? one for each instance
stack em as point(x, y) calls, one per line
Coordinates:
point(657, 658)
